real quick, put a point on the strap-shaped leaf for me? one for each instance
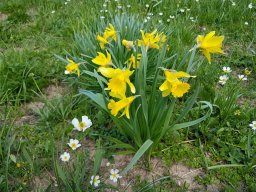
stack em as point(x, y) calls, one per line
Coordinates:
point(96, 97)
point(138, 155)
point(191, 123)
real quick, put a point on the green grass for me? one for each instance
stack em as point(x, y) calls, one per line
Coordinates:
point(33, 34)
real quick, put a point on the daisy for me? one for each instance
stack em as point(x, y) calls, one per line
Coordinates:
point(114, 176)
point(74, 144)
point(226, 69)
point(65, 157)
point(223, 79)
point(242, 77)
point(95, 180)
point(253, 125)
point(83, 125)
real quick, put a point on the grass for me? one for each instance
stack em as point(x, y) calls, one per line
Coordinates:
point(36, 31)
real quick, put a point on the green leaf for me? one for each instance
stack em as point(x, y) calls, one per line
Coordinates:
point(97, 98)
point(138, 155)
point(98, 158)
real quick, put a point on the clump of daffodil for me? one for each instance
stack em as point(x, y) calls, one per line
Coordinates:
point(124, 103)
point(210, 44)
point(118, 80)
point(102, 59)
point(72, 67)
point(152, 40)
point(132, 61)
point(108, 35)
point(128, 44)
point(172, 84)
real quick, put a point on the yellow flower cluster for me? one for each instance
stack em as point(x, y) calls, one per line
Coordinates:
point(108, 35)
point(172, 84)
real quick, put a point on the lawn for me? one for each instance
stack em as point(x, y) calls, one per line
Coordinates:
point(157, 113)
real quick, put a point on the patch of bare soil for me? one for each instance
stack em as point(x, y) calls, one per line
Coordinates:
point(180, 173)
point(53, 91)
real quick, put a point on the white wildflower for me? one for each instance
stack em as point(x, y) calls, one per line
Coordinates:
point(114, 176)
point(83, 125)
point(223, 79)
point(65, 157)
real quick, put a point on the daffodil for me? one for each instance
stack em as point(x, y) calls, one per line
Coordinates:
point(132, 61)
point(74, 144)
point(110, 32)
point(124, 103)
point(210, 44)
point(172, 84)
point(152, 40)
point(102, 59)
point(65, 157)
point(118, 80)
point(114, 175)
point(102, 41)
point(83, 125)
point(72, 67)
point(128, 44)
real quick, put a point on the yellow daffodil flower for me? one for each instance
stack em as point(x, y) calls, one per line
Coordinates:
point(102, 59)
point(210, 44)
point(72, 67)
point(102, 41)
point(128, 44)
point(110, 32)
point(124, 103)
point(152, 40)
point(132, 61)
point(118, 80)
point(172, 84)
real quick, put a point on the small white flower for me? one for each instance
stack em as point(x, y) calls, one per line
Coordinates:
point(53, 11)
point(148, 17)
point(119, 7)
point(223, 79)
point(182, 10)
point(114, 176)
point(197, 0)
point(145, 20)
point(147, 5)
point(160, 13)
point(104, 5)
point(102, 17)
point(233, 4)
point(246, 23)
point(242, 77)
point(253, 125)
point(168, 20)
point(106, 11)
point(101, 10)
point(95, 180)
point(250, 6)
point(160, 21)
point(66, 3)
point(107, 164)
point(83, 125)
point(191, 18)
point(172, 16)
point(65, 157)
point(204, 28)
point(226, 69)
point(128, 6)
point(74, 144)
